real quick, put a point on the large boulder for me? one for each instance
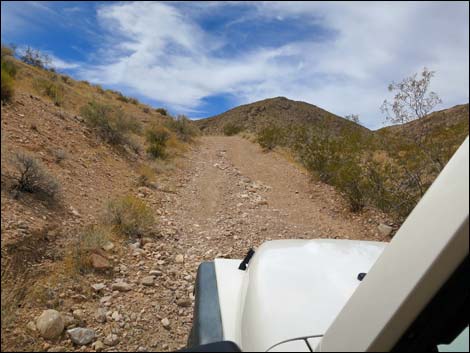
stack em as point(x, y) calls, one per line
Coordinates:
point(50, 324)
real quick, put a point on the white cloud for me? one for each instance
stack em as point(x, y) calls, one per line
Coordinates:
point(158, 50)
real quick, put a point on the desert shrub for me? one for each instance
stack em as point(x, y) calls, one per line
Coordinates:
point(110, 122)
point(59, 155)
point(85, 82)
point(99, 89)
point(348, 178)
point(157, 138)
point(122, 98)
point(270, 137)
point(7, 89)
point(231, 129)
point(90, 240)
point(7, 79)
point(162, 111)
point(146, 176)
point(134, 145)
point(66, 79)
point(31, 177)
point(7, 51)
point(53, 90)
point(146, 110)
point(133, 100)
point(183, 127)
point(9, 67)
point(35, 58)
point(129, 216)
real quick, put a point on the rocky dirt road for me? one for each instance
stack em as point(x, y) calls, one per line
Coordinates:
point(227, 197)
point(232, 196)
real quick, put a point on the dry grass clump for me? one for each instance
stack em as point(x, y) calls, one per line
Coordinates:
point(129, 215)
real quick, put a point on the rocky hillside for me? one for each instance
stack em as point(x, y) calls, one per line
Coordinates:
point(279, 111)
point(447, 125)
point(65, 177)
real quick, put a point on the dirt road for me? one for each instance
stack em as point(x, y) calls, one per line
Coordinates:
point(232, 196)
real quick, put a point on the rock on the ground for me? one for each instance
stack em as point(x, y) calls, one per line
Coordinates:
point(98, 287)
point(98, 346)
point(179, 259)
point(99, 262)
point(81, 336)
point(57, 349)
point(184, 303)
point(385, 229)
point(148, 280)
point(50, 324)
point(166, 323)
point(121, 286)
point(111, 340)
point(100, 315)
point(108, 246)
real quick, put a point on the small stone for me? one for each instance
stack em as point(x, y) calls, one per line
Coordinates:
point(148, 280)
point(98, 346)
point(121, 286)
point(385, 229)
point(179, 259)
point(99, 262)
point(98, 287)
point(78, 314)
point(166, 323)
point(155, 273)
point(135, 245)
point(100, 315)
point(74, 212)
point(81, 336)
point(111, 340)
point(57, 349)
point(108, 246)
point(184, 303)
point(50, 324)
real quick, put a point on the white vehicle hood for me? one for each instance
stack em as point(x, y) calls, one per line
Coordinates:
point(296, 288)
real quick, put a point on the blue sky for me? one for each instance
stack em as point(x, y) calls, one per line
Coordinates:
point(202, 58)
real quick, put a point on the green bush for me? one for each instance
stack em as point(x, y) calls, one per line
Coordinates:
point(110, 122)
point(270, 137)
point(53, 90)
point(231, 129)
point(183, 127)
point(9, 67)
point(129, 216)
point(8, 74)
point(162, 111)
point(31, 177)
point(122, 99)
point(157, 138)
point(7, 89)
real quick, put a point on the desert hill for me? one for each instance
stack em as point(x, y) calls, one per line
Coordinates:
point(278, 111)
